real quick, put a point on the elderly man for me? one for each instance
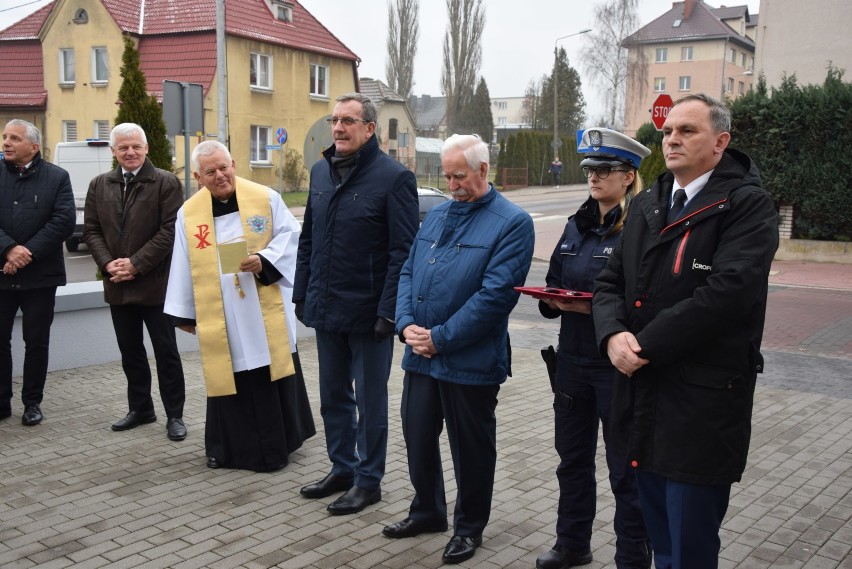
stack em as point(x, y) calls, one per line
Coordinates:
point(37, 215)
point(231, 280)
point(679, 309)
point(130, 230)
point(456, 291)
point(359, 223)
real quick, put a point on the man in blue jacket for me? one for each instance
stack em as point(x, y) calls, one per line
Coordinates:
point(37, 215)
point(456, 291)
point(359, 223)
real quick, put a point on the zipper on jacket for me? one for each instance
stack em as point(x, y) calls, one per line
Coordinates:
point(678, 260)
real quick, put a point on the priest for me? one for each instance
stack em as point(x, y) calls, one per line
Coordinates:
point(231, 283)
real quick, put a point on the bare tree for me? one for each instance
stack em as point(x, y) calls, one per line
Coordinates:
point(530, 111)
point(605, 59)
point(403, 29)
point(462, 55)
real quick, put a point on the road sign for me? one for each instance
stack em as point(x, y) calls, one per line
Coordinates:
point(281, 135)
point(273, 147)
point(660, 110)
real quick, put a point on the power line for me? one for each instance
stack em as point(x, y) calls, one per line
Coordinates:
point(20, 5)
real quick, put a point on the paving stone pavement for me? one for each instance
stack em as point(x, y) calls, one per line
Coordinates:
point(75, 494)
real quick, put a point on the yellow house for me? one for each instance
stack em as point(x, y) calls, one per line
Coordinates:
point(61, 69)
point(692, 48)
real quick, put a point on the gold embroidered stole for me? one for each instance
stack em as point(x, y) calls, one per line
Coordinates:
point(256, 220)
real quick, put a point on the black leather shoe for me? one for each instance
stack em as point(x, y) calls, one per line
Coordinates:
point(355, 500)
point(411, 528)
point(561, 557)
point(133, 420)
point(212, 462)
point(32, 415)
point(461, 548)
point(327, 486)
point(176, 429)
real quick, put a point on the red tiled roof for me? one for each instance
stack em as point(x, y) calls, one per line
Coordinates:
point(177, 41)
point(29, 27)
point(21, 75)
point(702, 24)
point(196, 64)
point(244, 18)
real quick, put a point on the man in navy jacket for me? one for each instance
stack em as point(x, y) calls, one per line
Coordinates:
point(359, 223)
point(37, 215)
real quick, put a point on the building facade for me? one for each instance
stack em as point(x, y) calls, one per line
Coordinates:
point(283, 69)
point(692, 48)
point(396, 131)
point(803, 40)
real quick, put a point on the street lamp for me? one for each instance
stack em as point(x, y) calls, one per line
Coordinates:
point(556, 87)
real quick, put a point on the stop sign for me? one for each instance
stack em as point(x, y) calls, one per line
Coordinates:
point(660, 110)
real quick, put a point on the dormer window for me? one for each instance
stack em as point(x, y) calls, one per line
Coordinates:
point(81, 17)
point(283, 10)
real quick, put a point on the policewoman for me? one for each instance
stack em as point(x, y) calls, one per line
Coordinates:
point(583, 383)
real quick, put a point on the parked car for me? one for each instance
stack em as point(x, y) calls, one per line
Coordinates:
point(429, 197)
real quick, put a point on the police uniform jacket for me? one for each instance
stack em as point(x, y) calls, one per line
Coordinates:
point(136, 222)
point(459, 282)
point(694, 294)
point(578, 258)
point(355, 237)
point(37, 211)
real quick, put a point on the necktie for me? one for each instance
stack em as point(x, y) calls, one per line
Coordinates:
point(677, 206)
point(21, 170)
point(127, 177)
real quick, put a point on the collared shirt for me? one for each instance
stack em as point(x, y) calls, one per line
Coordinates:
point(691, 188)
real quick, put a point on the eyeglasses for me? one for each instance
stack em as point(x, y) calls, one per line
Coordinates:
point(601, 172)
point(348, 121)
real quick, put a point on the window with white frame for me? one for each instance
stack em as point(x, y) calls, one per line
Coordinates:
point(659, 84)
point(67, 67)
point(751, 64)
point(730, 84)
point(741, 88)
point(260, 71)
point(686, 53)
point(100, 69)
point(662, 54)
point(684, 83)
point(402, 140)
point(69, 131)
point(285, 12)
point(259, 140)
point(742, 59)
point(101, 130)
point(733, 55)
point(319, 80)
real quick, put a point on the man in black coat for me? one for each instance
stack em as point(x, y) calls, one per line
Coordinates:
point(680, 309)
point(37, 215)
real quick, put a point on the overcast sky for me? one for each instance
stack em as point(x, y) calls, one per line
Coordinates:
point(517, 45)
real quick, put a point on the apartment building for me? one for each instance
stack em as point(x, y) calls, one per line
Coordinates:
point(692, 48)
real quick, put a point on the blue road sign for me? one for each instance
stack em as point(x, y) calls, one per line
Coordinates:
point(281, 135)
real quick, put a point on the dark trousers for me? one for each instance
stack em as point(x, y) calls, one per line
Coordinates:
point(587, 399)
point(683, 520)
point(127, 320)
point(353, 376)
point(472, 433)
point(36, 317)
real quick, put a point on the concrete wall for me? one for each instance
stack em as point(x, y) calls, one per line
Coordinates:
point(82, 332)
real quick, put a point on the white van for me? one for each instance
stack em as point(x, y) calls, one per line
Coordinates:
point(83, 161)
